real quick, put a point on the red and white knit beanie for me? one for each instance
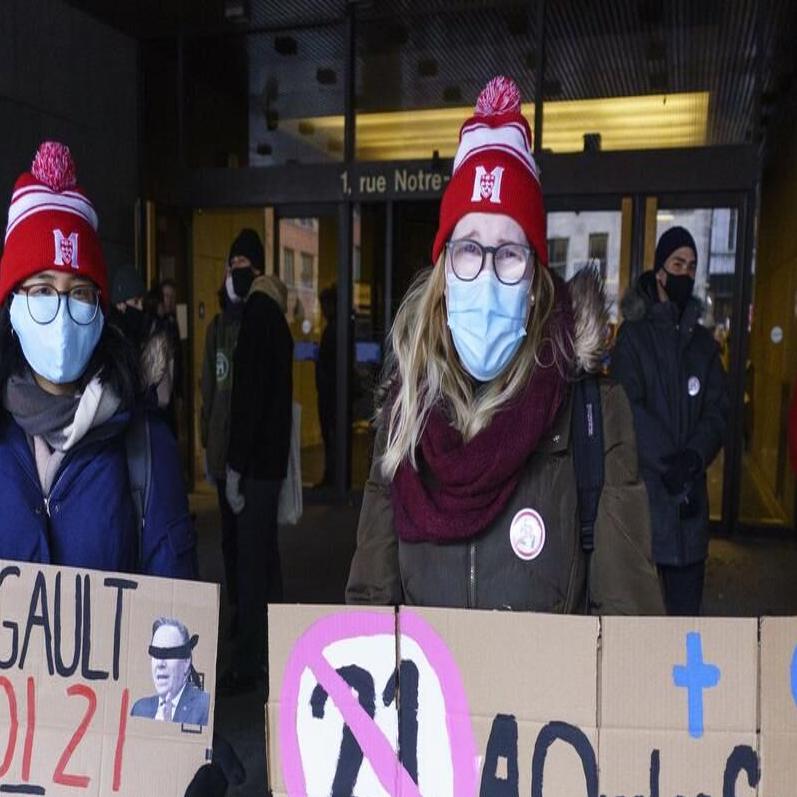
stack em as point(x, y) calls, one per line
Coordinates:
point(51, 225)
point(494, 171)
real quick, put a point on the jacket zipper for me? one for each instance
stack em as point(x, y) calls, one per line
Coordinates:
point(47, 498)
point(472, 577)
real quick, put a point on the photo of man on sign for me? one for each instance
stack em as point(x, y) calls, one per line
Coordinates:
point(179, 697)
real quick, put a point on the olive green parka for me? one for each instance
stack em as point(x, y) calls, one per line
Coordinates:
point(485, 572)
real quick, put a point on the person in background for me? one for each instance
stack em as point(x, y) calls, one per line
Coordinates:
point(257, 456)
point(127, 303)
point(150, 340)
point(217, 380)
point(160, 309)
point(670, 368)
point(157, 358)
point(326, 379)
point(472, 500)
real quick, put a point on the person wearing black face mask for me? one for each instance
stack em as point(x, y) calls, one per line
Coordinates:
point(127, 298)
point(671, 369)
point(257, 452)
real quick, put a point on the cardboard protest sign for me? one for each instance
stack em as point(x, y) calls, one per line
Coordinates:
point(778, 705)
point(677, 698)
point(452, 703)
point(106, 681)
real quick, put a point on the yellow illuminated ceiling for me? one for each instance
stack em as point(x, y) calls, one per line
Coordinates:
point(645, 122)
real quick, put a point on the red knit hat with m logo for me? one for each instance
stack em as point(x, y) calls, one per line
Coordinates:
point(51, 225)
point(494, 171)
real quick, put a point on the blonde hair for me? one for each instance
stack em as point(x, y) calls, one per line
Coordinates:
point(422, 367)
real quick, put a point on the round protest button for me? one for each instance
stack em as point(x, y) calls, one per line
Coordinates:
point(693, 386)
point(527, 534)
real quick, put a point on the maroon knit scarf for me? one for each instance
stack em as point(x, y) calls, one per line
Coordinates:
point(460, 488)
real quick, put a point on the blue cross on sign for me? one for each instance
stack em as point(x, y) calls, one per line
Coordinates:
point(695, 676)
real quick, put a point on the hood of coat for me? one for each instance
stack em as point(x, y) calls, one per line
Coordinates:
point(272, 286)
point(591, 317)
point(642, 297)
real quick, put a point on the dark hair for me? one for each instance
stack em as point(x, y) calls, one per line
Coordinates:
point(114, 360)
point(152, 299)
point(168, 283)
point(174, 623)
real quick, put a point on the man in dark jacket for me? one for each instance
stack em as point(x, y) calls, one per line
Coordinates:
point(257, 457)
point(671, 370)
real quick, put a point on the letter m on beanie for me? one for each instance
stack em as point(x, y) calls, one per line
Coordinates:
point(487, 184)
point(65, 249)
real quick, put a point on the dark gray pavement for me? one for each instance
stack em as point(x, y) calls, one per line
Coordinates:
point(745, 577)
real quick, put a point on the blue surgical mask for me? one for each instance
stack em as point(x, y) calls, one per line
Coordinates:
point(487, 320)
point(58, 351)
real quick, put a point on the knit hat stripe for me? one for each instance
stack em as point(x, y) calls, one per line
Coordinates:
point(36, 201)
point(519, 128)
point(30, 188)
point(489, 147)
point(510, 138)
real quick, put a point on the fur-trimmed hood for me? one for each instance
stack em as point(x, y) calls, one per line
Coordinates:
point(591, 319)
point(155, 359)
point(272, 286)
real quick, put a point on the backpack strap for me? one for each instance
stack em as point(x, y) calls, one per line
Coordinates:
point(587, 433)
point(139, 470)
point(587, 438)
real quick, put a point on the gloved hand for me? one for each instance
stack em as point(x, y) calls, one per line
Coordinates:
point(225, 770)
point(682, 470)
point(233, 491)
point(209, 781)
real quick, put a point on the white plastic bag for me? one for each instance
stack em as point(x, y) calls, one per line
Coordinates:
point(290, 500)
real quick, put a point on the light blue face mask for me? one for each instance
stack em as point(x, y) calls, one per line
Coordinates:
point(487, 320)
point(58, 351)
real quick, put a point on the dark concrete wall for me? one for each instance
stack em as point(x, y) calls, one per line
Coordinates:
point(67, 77)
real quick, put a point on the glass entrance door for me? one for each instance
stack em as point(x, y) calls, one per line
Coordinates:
point(306, 254)
point(596, 237)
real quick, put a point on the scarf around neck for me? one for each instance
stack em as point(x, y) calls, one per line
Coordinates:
point(461, 487)
point(61, 421)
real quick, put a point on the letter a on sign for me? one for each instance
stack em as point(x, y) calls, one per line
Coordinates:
point(487, 184)
point(65, 249)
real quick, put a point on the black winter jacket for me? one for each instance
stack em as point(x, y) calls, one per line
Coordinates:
point(262, 392)
point(671, 370)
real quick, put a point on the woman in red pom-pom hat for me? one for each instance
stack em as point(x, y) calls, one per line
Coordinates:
point(71, 419)
point(473, 499)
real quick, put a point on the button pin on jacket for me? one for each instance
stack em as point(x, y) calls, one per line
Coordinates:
point(527, 534)
point(693, 386)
